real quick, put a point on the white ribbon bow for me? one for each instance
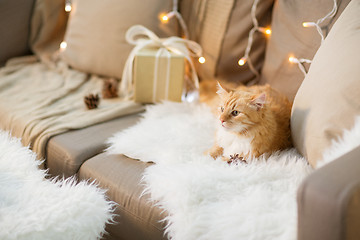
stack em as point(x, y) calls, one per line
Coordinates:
point(142, 37)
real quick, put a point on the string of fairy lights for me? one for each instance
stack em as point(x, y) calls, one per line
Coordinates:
point(255, 28)
point(301, 61)
point(68, 6)
point(165, 17)
point(264, 30)
point(292, 59)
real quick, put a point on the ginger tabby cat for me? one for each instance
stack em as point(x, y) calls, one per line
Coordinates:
point(253, 121)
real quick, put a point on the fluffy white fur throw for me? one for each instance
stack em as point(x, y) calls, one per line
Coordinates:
point(350, 139)
point(209, 199)
point(32, 207)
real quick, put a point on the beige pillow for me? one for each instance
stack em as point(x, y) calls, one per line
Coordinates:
point(222, 28)
point(14, 25)
point(48, 24)
point(290, 37)
point(329, 98)
point(95, 34)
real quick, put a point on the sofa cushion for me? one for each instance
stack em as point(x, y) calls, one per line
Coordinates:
point(137, 218)
point(222, 29)
point(328, 100)
point(289, 37)
point(95, 34)
point(48, 24)
point(14, 28)
point(66, 152)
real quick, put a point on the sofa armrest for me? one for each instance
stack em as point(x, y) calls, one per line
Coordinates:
point(15, 18)
point(329, 201)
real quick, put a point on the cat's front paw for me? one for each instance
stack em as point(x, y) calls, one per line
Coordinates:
point(215, 152)
point(236, 158)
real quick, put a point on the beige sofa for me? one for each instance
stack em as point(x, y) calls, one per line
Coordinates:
point(328, 200)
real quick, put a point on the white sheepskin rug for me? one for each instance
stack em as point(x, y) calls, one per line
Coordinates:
point(349, 140)
point(32, 207)
point(208, 199)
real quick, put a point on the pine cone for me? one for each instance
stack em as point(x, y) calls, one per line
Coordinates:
point(92, 101)
point(110, 88)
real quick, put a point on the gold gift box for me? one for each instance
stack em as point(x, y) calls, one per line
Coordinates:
point(167, 85)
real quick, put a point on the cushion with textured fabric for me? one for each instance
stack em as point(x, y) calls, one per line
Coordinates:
point(48, 24)
point(14, 28)
point(138, 218)
point(290, 38)
point(95, 34)
point(68, 151)
point(222, 29)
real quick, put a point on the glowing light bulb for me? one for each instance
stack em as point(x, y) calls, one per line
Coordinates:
point(292, 59)
point(164, 18)
point(63, 45)
point(266, 31)
point(308, 24)
point(242, 61)
point(68, 7)
point(201, 60)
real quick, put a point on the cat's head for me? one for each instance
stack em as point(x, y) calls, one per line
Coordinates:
point(240, 110)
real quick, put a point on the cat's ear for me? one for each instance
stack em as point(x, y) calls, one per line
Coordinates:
point(221, 90)
point(259, 101)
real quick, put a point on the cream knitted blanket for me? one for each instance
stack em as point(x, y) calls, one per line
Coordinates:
point(38, 101)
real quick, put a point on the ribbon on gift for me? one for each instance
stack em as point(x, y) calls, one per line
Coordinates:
point(168, 56)
point(141, 37)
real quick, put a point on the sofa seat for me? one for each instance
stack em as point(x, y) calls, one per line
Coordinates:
point(66, 152)
point(80, 152)
point(137, 217)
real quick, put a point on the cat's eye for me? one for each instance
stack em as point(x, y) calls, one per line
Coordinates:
point(235, 113)
point(222, 109)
